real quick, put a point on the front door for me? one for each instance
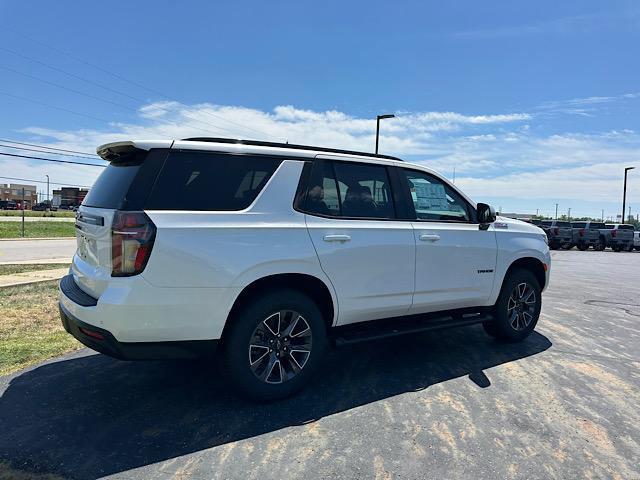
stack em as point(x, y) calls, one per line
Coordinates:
point(455, 259)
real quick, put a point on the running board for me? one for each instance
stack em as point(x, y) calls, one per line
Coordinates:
point(393, 327)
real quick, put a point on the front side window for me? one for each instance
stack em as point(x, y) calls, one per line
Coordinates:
point(208, 181)
point(433, 200)
point(350, 190)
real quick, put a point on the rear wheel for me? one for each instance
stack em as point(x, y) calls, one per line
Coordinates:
point(601, 245)
point(274, 345)
point(629, 248)
point(583, 246)
point(616, 248)
point(567, 246)
point(517, 310)
point(554, 246)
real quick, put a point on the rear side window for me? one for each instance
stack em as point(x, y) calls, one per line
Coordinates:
point(210, 181)
point(350, 190)
point(111, 187)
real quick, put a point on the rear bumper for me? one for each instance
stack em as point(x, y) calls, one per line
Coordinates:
point(103, 341)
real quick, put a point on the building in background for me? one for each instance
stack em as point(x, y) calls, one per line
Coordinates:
point(13, 192)
point(67, 197)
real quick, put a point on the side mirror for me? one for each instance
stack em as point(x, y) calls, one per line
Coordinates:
point(486, 214)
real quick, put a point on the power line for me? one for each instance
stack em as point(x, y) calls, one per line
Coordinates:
point(44, 182)
point(52, 160)
point(91, 82)
point(120, 77)
point(48, 148)
point(45, 151)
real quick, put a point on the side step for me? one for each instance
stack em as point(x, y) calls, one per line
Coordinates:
point(393, 327)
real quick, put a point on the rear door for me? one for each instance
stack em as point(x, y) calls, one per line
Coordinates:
point(455, 259)
point(367, 253)
point(123, 184)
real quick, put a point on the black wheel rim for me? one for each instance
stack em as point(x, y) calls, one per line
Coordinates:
point(521, 307)
point(280, 347)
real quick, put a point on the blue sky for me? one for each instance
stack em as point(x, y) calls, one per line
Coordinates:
point(533, 103)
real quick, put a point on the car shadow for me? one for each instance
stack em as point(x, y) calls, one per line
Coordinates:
point(91, 416)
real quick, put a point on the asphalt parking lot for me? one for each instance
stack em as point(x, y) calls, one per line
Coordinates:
point(449, 404)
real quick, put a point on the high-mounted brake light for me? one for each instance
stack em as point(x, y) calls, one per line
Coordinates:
point(132, 237)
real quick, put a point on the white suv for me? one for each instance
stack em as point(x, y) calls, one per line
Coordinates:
point(268, 253)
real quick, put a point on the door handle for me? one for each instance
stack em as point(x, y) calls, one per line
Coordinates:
point(336, 238)
point(429, 237)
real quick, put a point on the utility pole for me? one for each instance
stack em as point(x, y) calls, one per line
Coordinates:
point(569, 214)
point(556, 211)
point(47, 188)
point(624, 191)
point(378, 118)
point(603, 214)
point(537, 211)
point(629, 218)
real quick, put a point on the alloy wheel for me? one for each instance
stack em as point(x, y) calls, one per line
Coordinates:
point(280, 347)
point(521, 306)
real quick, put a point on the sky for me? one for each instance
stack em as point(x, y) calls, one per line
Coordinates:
point(531, 103)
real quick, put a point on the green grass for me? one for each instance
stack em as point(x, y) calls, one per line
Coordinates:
point(37, 229)
point(19, 268)
point(30, 327)
point(31, 213)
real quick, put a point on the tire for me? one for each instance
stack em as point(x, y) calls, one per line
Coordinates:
point(637, 249)
point(583, 246)
point(600, 246)
point(257, 354)
point(616, 248)
point(567, 246)
point(629, 248)
point(517, 310)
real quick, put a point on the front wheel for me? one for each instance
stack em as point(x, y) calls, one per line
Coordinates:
point(274, 345)
point(517, 310)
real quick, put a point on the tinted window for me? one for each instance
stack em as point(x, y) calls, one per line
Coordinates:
point(345, 189)
point(625, 227)
point(563, 224)
point(596, 226)
point(433, 200)
point(608, 226)
point(546, 223)
point(578, 224)
point(111, 187)
point(206, 181)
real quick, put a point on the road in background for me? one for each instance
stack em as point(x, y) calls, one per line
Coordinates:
point(22, 251)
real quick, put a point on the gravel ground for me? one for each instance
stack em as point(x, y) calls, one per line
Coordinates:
point(450, 404)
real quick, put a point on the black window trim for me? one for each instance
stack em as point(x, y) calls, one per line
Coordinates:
point(471, 212)
point(299, 204)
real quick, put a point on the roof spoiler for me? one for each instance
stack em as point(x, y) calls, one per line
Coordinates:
point(116, 150)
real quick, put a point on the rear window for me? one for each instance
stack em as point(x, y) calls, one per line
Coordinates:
point(563, 224)
point(609, 227)
point(546, 223)
point(579, 224)
point(625, 227)
point(111, 187)
point(210, 181)
point(596, 226)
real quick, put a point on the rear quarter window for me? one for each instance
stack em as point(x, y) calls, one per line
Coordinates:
point(210, 181)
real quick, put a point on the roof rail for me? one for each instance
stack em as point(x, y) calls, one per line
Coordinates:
point(287, 145)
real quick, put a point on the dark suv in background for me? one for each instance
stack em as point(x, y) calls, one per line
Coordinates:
point(559, 233)
point(587, 234)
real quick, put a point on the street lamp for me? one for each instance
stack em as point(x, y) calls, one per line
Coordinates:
point(624, 191)
point(378, 118)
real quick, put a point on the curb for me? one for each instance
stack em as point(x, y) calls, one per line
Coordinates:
point(29, 282)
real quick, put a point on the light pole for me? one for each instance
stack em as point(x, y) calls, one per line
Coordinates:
point(556, 211)
point(47, 188)
point(378, 118)
point(569, 214)
point(603, 214)
point(624, 191)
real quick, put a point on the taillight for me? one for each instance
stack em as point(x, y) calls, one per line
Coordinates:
point(614, 233)
point(581, 232)
point(556, 231)
point(132, 236)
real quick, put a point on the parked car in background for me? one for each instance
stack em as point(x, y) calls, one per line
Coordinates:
point(268, 252)
point(559, 233)
point(39, 207)
point(8, 205)
point(636, 240)
point(587, 234)
point(619, 236)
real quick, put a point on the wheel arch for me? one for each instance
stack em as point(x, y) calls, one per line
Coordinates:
point(312, 286)
point(534, 265)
